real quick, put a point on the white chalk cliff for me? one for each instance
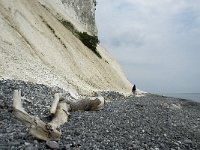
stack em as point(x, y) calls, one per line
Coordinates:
point(35, 46)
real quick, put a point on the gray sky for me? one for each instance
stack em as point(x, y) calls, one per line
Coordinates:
point(156, 42)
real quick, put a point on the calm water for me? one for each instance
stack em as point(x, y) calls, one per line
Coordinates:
point(190, 96)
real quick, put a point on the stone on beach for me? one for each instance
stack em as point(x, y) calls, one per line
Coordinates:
point(147, 122)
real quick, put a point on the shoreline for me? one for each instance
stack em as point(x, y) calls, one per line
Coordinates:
point(149, 122)
point(188, 96)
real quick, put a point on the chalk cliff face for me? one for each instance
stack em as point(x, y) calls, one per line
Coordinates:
point(36, 46)
point(83, 12)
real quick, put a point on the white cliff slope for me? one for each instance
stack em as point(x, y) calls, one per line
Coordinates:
point(35, 46)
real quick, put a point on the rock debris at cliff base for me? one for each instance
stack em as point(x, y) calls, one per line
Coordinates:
point(150, 122)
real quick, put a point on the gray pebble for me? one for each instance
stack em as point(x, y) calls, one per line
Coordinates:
point(30, 147)
point(52, 144)
point(124, 123)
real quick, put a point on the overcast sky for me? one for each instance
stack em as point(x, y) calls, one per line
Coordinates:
point(156, 42)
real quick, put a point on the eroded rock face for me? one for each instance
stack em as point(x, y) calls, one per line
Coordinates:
point(36, 46)
point(83, 12)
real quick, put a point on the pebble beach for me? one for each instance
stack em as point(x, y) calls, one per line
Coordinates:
point(150, 122)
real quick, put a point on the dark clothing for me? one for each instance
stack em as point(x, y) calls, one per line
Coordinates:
point(134, 88)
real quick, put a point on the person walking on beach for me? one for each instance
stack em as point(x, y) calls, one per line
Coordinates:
point(134, 89)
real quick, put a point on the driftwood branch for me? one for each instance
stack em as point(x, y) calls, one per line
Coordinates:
point(54, 104)
point(88, 104)
point(38, 128)
point(61, 115)
point(59, 111)
point(17, 103)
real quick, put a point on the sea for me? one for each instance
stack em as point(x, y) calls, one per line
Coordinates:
point(190, 96)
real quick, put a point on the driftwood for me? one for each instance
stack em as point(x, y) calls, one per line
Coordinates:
point(88, 104)
point(38, 128)
point(54, 104)
point(59, 111)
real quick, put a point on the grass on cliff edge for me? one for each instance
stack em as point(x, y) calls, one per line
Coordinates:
point(88, 40)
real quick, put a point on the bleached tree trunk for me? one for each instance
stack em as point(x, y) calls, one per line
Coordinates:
point(59, 111)
point(38, 128)
point(88, 104)
point(54, 104)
